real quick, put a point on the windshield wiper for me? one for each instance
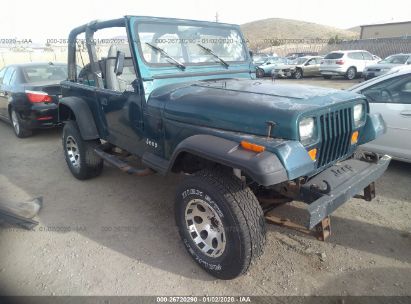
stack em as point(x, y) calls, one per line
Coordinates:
point(209, 51)
point(165, 54)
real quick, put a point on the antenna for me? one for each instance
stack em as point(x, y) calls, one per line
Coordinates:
point(216, 17)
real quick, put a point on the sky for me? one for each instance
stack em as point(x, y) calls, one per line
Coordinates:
point(40, 20)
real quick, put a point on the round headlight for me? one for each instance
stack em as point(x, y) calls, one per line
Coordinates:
point(306, 128)
point(358, 114)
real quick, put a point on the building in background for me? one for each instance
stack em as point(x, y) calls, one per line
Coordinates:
point(386, 30)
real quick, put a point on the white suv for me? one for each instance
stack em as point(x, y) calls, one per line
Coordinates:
point(346, 63)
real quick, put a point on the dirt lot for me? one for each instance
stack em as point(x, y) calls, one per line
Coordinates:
point(115, 235)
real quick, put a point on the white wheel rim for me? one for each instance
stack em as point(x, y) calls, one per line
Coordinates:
point(72, 151)
point(15, 121)
point(205, 228)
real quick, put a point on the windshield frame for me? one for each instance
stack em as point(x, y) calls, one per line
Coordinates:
point(175, 22)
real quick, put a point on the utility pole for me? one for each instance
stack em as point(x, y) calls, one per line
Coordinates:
point(216, 17)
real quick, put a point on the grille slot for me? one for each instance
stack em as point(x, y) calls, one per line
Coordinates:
point(336, 129)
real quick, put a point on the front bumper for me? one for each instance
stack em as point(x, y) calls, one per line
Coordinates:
point(372, 74)
point(283, 73)
point(342, 182)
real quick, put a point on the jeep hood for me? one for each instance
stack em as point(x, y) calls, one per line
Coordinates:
point(246, 105)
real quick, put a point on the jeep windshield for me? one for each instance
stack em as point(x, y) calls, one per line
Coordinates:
point(190, 44)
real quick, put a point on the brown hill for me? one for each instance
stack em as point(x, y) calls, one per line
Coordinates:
point(267, 32)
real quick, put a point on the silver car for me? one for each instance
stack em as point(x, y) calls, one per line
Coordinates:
point(299, 67)
point(349, 64)
point(390, 95)
point(385, 65)
point(259, 59)
point(267, 67)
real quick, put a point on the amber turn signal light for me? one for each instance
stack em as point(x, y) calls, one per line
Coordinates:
point(354, 137)
point(252, 147)
point(313, 154)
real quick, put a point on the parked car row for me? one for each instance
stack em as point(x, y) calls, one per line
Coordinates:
point(349, 64)
point(299, 67)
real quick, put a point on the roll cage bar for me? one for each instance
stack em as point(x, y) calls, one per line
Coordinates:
point(89, 29)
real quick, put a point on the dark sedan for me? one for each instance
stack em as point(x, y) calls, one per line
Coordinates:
point(29, 95)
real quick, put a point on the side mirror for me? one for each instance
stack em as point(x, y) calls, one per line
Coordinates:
point(119, 66)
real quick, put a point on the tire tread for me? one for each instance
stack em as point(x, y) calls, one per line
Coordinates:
point(246, 207)
point(93, 164)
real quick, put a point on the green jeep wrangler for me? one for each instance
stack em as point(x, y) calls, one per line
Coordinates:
point(182, 96)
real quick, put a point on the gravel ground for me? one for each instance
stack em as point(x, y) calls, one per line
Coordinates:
point(115, 235)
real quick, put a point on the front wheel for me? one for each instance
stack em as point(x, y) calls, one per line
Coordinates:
point(220, 222)
point(298, 74)
point(81, 159)
point(260, 73)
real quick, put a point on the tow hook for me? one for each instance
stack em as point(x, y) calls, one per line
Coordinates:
point(316, 188)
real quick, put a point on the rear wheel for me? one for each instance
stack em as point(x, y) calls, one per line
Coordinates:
point(81, 159)
point(327, 76)
point(351, 73)
point(221, 224)
point(18, 127)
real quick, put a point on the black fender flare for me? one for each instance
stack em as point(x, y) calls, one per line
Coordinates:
point(84, 117)
point(265, 168)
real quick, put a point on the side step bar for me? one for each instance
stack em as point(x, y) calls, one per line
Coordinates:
point(123, 166)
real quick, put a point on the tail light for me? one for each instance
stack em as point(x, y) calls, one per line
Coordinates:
point(340, 61)
point(38, 96)
point(45, 118)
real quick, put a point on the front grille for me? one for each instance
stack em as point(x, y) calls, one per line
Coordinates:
point(336, 129)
